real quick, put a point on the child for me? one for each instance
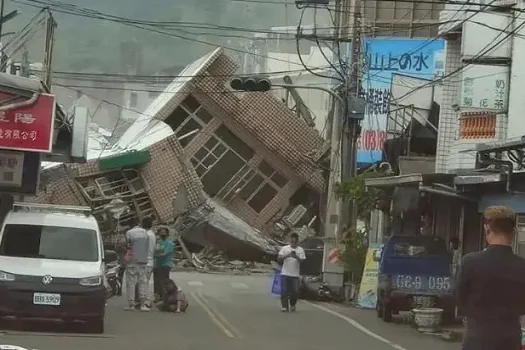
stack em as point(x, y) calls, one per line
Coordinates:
point(174, 299)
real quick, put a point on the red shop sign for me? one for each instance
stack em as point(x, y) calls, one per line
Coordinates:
point(29, 128)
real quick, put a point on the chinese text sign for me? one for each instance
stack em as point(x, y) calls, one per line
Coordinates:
point(485, 87)
point(383, 57)
point(28, 128)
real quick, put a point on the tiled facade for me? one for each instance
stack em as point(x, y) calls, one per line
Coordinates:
point(273, 135)
point(165, 173)
point(448, 116)
point(267, 126)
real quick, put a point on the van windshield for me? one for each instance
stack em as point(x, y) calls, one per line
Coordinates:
point(50, 242)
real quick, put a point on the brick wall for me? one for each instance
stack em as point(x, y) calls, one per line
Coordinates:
point(448, 120)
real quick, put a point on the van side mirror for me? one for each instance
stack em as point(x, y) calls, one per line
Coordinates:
point(110, 256)
point(377, 255)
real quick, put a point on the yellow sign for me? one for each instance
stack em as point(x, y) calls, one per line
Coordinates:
point(368, 289)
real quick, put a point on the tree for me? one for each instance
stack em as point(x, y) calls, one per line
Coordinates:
point(356, 242)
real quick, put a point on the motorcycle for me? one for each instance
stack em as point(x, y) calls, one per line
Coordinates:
point(114, 280)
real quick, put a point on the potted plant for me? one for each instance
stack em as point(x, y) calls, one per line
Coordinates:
point(427, 317)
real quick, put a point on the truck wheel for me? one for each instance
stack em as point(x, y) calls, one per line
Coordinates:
point(387, 312)
point(379, 309)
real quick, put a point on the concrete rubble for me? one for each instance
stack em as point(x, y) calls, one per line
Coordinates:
point(152, 171)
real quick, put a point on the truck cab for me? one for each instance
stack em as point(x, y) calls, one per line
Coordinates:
point(413, 266)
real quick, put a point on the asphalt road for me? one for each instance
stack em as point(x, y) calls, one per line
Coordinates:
point(230, 313)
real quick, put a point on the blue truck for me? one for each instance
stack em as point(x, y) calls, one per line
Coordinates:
point(412, 266)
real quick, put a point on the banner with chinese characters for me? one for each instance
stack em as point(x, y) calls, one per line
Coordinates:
point(485, 87)
point(28, 127)
point(368, 288)
point(423, 59)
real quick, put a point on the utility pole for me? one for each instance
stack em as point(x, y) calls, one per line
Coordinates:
point(352, 116)
point(2, 4)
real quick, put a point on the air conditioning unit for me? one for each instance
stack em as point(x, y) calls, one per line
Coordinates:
point(295, 216)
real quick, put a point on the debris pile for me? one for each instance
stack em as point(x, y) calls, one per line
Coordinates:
point(213, 260)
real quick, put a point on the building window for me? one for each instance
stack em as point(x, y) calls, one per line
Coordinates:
point(133, 100)
point(219, 160)
point(188, 120)
point(261, 186)
point(234, 142)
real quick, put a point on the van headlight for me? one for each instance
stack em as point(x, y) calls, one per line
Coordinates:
point(91, 281)
point(6, 277)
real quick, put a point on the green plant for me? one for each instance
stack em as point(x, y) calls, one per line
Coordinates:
point(365, 199)
point(354, 254)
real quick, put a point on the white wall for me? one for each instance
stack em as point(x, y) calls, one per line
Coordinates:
point(317, 101)
point(516, 114)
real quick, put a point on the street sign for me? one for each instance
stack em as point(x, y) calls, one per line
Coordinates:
point(19, 172)
point(11, 168)
point(29, 127)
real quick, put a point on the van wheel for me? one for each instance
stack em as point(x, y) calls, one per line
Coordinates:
point(96, 325)
point(387, 312)
point(379, 309)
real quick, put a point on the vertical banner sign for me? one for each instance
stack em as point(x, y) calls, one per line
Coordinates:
point(28, 128)
point(383, 57)
point(368, 289)
point(11, 168)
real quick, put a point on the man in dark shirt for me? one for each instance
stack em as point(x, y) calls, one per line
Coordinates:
point(491, 287)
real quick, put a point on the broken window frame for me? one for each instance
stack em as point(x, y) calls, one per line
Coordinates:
point(210, 153)
point(267, 180)
point(195, 116)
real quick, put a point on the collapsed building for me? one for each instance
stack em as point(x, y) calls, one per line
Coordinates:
point(219, 166)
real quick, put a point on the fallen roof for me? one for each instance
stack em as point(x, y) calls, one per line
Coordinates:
point(149, 127)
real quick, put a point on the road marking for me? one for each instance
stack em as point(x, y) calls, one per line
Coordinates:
point(357, 325)
point(239, 285)
point(194, 283)
point(212, 316)
point(221, 316)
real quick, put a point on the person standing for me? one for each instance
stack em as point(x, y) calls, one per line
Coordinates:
point(147, 224)
point(163, 261)
point(138, 247)
point(290, 256)
point(491, 287)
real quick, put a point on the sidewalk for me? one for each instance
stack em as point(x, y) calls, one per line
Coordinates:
point(399, 331)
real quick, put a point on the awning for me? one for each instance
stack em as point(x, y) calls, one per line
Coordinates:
point(440, 184)
point(410, 179)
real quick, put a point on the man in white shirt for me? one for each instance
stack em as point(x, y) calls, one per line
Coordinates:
point(290, 256)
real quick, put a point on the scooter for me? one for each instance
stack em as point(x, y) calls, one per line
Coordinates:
point(113, 279)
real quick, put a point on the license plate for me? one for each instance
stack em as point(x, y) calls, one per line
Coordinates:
point(423, 283)
point(46, 299)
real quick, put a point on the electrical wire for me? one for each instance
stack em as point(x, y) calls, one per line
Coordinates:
point(300, 56)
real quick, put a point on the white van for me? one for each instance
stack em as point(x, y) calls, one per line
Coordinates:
point(52, 265)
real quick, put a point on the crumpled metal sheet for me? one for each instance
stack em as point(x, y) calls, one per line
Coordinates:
point(227, 222)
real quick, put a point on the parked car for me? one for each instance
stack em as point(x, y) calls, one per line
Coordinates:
point(412, 266)
point(53, 265)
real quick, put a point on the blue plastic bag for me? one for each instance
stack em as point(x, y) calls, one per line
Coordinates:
point(276, 285)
